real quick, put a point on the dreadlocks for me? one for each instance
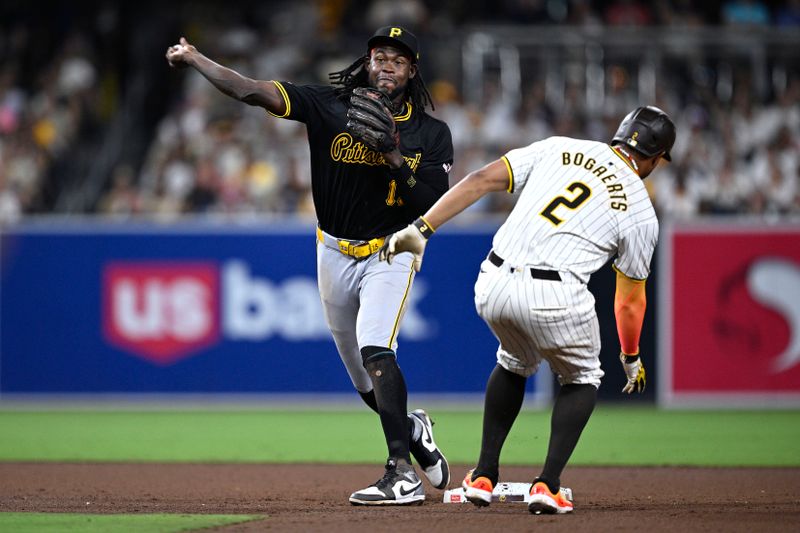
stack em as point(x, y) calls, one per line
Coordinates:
point(356, 76)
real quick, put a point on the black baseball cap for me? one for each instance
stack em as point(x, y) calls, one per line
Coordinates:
point(398, 37)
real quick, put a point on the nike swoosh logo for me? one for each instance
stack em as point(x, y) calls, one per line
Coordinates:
point(427, 440)
point(404, 492)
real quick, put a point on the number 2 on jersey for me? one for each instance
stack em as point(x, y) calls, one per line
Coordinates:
point(583, 194)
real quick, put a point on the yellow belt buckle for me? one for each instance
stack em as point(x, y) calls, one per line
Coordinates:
point(344, 247)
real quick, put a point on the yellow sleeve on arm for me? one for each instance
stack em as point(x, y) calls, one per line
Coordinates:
point(630, 302)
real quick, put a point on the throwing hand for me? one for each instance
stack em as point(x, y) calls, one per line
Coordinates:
point(179, 54)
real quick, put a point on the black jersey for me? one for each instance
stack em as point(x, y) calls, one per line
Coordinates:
point(356, 196)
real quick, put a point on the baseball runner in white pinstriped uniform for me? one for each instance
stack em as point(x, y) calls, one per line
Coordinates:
point(558, 319)
point(579, 204)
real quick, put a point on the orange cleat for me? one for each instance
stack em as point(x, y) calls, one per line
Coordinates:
point(541, 500)
point(478, 491)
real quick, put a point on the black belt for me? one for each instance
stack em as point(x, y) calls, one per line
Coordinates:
point(536, 273)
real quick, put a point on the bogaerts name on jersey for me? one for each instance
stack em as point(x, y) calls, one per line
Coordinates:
point(616, 192)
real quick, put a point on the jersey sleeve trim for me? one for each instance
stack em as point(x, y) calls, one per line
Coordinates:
point(286, 100)
point(510, 174)
point(634, 280)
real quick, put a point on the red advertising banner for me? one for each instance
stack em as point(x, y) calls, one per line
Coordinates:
point(734, 313)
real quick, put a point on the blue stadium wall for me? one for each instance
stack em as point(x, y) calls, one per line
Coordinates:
point(98, 308)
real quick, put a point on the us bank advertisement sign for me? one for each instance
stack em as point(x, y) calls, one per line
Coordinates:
point(200, 309)
point(730, 318)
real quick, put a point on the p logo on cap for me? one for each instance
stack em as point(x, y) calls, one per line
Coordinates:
point(398, 37)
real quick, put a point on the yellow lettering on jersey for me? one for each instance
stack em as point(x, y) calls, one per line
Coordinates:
point(346, 150)
point(391, 199)
point(413, 162)
point(616, 191)
point(582, 193)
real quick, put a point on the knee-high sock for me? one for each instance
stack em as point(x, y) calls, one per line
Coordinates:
point(504, 394)
point(573, 407)
point(369, 399)
point(391, 397)
point(372, 403)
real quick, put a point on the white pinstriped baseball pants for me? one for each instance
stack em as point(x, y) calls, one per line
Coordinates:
point(538, 319)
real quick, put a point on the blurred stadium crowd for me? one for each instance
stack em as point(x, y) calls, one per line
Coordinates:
point(93, 121)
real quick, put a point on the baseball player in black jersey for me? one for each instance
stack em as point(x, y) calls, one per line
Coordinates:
point(378, 161)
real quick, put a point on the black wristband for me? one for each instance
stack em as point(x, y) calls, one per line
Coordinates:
point(424, 228)
point(403, 174)
point(631, 358)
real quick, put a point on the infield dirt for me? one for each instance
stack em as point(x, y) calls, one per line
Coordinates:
point(314, 497)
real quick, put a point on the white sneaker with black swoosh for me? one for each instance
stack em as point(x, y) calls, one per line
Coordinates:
point(427, 454)
point(398, 486)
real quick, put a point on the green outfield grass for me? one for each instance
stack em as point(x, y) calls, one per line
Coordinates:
point(614, 436)
point(86, 523)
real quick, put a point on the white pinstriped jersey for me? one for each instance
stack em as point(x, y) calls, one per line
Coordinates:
point(579, 204)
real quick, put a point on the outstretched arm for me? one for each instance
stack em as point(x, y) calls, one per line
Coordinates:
point(491, 178)
point(253, 92)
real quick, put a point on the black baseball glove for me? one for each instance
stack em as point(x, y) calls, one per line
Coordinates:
point(370, 119)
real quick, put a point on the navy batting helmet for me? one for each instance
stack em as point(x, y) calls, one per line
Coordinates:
point(648, 130)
